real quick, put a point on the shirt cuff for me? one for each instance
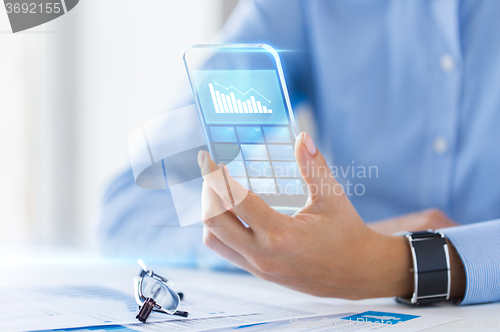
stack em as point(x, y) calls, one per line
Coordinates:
point(478, 246)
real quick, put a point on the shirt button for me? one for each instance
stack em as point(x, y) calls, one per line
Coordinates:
point(447, 63)
point(440, 145)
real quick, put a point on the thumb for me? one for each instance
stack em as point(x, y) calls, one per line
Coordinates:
point(315, 171)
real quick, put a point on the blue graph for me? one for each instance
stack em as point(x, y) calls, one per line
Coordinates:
point(240, 97)
point(242, 93)
point(228, 103)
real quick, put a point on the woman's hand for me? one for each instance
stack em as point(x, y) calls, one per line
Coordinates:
point(325, 249)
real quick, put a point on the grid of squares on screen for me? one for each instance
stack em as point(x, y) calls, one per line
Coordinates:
point(259, 148)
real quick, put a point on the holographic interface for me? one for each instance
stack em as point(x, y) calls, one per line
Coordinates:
point(245, 110)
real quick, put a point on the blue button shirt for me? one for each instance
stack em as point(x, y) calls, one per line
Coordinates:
point(406, 97)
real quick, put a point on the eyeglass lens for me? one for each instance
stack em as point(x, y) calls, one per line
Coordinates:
point(163, 296)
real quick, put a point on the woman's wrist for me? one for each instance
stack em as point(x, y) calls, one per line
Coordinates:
point(390, 266)
point(403, 278)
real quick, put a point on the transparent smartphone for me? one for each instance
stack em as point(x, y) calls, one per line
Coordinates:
point(245, 111)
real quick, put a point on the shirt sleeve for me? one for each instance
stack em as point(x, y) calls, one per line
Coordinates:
point(478, 247)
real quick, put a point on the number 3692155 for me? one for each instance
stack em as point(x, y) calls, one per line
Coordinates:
point(33, 8)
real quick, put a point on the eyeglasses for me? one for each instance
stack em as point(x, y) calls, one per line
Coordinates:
point(154, 293)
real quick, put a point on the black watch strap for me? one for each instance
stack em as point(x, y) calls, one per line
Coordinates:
point(431, 268)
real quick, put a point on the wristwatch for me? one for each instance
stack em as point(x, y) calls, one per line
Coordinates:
point(431, 268)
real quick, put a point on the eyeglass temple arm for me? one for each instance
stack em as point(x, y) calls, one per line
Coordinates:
point(153, 275)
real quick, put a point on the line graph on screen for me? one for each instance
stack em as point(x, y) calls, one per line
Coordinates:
point(227, 102)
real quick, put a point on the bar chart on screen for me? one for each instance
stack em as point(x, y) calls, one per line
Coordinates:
point(231, 100)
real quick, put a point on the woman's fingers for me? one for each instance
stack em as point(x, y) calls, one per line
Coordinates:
point(248, 206)
point(313, 167)
point(212, 242)
point(223, 223)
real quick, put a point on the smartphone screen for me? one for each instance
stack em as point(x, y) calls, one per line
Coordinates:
point(245, 111)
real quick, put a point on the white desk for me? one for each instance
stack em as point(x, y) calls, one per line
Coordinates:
point(62, 267)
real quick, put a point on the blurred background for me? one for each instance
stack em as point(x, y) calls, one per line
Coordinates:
point(71, 91)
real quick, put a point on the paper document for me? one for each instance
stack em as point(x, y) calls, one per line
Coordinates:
point(281, 318)
point(273, 321)
point(361, 321)
point(69, 307)
point(267, 313)
point(99, 308)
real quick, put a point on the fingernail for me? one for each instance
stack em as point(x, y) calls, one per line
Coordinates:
point(201, 158)
point(309, 144)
